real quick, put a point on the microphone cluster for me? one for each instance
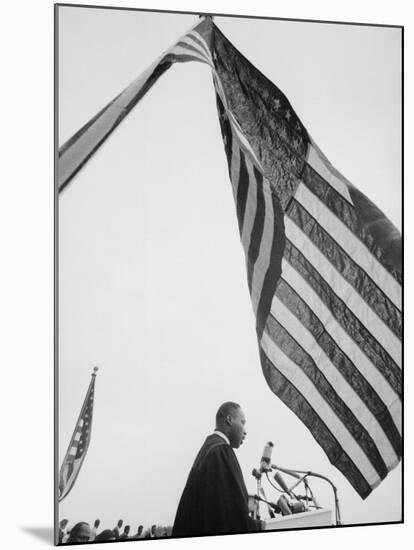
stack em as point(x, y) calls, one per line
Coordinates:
point(288, 503)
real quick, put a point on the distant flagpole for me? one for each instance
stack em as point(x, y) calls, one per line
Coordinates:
point(79, 443)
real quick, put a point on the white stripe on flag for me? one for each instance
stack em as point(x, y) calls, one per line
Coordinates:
point(373, 376)
point(251, 205)
point(351, 244)
point(181, 50)
point(317, 160)
point(262, 263)
point(310, 345)
point(195, 34)
point(235, 166)
point(191, 42)
point(302, 383)
point(344, 290)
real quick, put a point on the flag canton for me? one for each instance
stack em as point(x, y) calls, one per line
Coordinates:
point(265, 116)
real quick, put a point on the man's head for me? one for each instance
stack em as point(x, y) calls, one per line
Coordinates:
point(140, 528)
point(97, 523)
point(81, 532)
point(231, 421)
point(64, 523)
point(120, 522)
point(127, 528)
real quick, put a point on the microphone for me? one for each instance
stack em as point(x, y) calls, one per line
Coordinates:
point(265, 465)
point(279, 479)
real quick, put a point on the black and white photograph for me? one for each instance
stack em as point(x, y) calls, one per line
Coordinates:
point(203, 300)
point(229, 274)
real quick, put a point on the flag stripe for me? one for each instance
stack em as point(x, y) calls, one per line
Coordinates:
point(235, 162)
point(184, 52)
point(253, 250)
point(242, 189)
point(347, 214)
point(283, 338)
point(250, 209)
point(338, 337)
point(188, 42)
point(346, 266)
point(199, 40)
point(256, 237)
point(351, 245)
point(305, 387)
point(283, 387)
point(262, 261)
point(329, 174)
point(348, 321)
point(343, 377)
point(274, 217)
point(343, 289)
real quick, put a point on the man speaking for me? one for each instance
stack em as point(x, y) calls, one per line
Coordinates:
point(215, 499)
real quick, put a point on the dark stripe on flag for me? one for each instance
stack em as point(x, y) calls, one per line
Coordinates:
point(242, 191)
point(292, 349)
point(226, 132)
point(347, 268)
point(275, 267)
point(341, 361)
point(348, 321)
point(193, 49)
point(257, 230)
point(202, 45)
point(346, 213)
point(295, 401)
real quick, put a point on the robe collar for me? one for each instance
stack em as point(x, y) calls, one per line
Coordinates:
point(224, 436)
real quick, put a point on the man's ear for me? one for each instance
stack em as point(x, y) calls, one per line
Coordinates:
point(229, 420)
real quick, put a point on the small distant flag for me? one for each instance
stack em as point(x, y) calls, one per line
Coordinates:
point(79, 443)
point(323, 262)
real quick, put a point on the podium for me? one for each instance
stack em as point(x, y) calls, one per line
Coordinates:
point(314, 518)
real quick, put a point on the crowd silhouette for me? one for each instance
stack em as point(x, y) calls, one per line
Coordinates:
point(83, 532)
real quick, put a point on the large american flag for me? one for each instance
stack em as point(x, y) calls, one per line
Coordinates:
point(79, 443)
point(323, 263)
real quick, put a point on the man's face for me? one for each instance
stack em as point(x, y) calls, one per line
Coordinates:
point(237, 432)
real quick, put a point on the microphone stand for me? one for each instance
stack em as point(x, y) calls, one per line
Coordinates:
point(257, 474)
point(305, 475)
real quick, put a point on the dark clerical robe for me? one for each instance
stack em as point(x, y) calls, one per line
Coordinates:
point(215, 499)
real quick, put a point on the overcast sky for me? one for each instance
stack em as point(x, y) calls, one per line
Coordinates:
point(152, 276)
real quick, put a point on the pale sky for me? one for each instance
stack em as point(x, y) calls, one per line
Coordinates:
point(152, 275)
